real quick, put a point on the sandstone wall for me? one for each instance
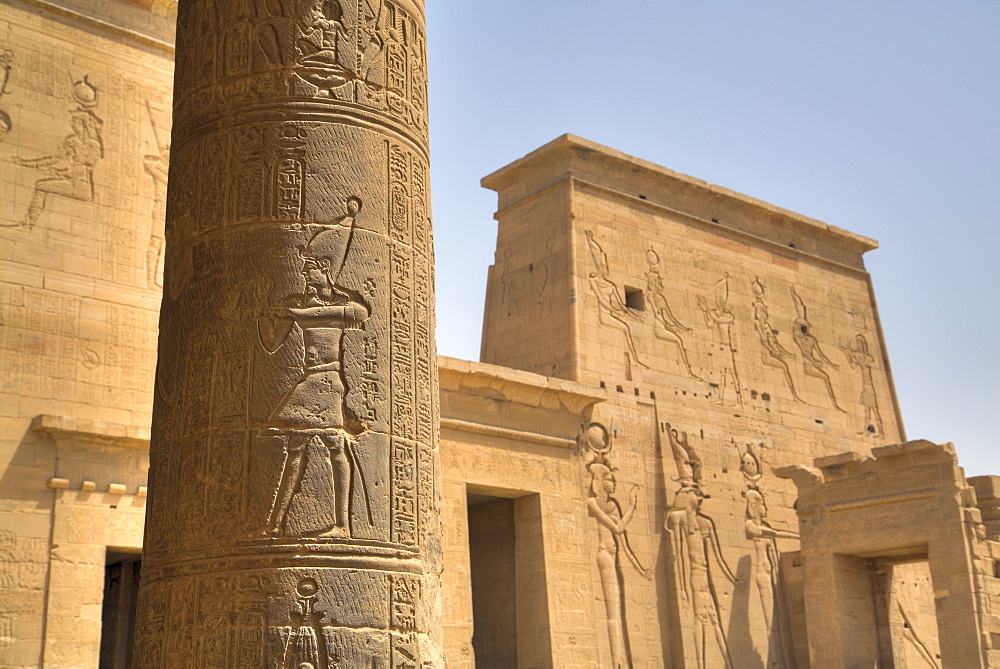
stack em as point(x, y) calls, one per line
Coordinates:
point(84, 123)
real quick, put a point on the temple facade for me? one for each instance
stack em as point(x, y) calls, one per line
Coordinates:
point(681, 447)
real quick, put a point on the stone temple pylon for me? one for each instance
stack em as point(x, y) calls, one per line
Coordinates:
point(293, 512)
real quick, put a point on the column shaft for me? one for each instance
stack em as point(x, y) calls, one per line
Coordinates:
point(293, 513)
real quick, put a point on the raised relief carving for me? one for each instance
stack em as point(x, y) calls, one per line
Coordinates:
point(720, 317)
point(863, 361)
point(612, 538)
point(665, 324)
point(305, 644)
point(774, 355)
point(323, 47)
point(695, 548)
point(156, 165)
point(766, 561)
point(814, 361)
point(6, 125)
point(320, 458)
point(612, 311)
point(70, 171)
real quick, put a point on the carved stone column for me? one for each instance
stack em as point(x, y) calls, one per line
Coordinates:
point(293, 513)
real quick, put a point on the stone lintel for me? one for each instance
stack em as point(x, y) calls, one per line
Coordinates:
point(520, 387)
point(920, 447)
point(83, 432)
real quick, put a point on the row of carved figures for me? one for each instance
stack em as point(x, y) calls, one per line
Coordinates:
point(613, 312)
point(695, 553)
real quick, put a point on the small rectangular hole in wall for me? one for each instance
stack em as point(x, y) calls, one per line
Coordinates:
point(642, 197)
point(619, 389)
point(634, 299)
point(652, 395)
point(602, 385)
point(636, 392)
point(996, 572)
point(818, 421)
point(765, 397)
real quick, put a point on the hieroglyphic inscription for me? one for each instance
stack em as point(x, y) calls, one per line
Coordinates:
point(401, 342)
point(289, 173)
point(404, 493)
point(367, 52)
point(297, 399)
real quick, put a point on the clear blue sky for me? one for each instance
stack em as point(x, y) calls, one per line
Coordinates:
point(879, 117)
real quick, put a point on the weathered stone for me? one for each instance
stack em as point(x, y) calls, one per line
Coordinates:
point(293, 478)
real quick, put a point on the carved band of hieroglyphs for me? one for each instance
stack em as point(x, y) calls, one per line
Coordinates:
point(404, 492)
point(401, 342)
point(291, 620)
point(366, 54)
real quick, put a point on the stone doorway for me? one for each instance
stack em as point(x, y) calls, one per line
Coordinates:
point(509, 601)
point(121, 588)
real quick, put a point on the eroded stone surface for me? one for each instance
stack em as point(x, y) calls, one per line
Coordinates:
point(293, 457)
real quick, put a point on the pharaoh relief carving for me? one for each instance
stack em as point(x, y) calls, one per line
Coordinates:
point(814, 361)
point(6, 57)
point(69, 172)
point(612, 538)
point(721, 318)
point(696, 557)
point(156, 166)
point(863, 361)
point(774, 354)
point(665, 324)
point(319, 438)
point(766, 560)
point(612, 311)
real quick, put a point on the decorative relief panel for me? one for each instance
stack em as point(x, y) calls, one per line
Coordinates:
point(297, 384)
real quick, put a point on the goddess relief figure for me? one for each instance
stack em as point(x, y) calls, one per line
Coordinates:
point(766, 560)
point(612, 538)
point(71, 169)
point(320, 460)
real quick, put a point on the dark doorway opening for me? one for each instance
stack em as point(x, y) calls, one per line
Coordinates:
point(121, 589)
point(492, 559)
